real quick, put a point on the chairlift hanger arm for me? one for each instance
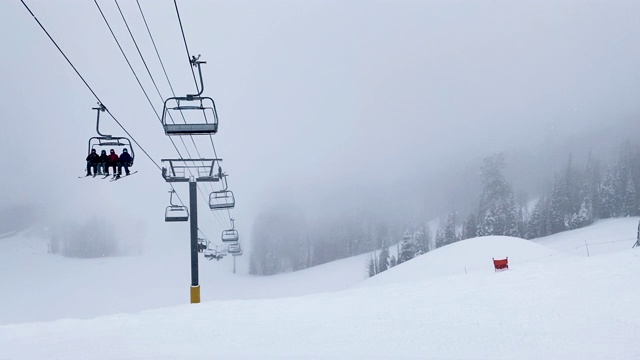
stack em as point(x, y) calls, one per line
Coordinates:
point(99, 109)
point(195, 62)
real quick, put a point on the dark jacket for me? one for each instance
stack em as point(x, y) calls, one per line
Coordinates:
point(125, 158)
point(103, 158)
point(93, 158)
point(112, 158)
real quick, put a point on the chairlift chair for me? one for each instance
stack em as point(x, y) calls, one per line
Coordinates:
point(230, 235)
point(174, 212)
point(107, 142)
point(189, 104)
point(202, 245)
point(234, 249)
point(220, 200)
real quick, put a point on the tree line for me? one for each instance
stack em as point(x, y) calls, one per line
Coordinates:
point(576, 195)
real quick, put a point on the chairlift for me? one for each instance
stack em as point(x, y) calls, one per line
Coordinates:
point(107, 142)
point(213, 253)
point(230, 235)
point(202, 245)
point(175, 212)
point(234, 249)
point(189, 104)
point(222, 199)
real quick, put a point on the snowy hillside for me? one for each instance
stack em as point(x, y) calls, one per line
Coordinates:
point(548, 305)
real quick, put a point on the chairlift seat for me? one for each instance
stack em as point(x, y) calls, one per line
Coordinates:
point(176, 213)
point(190, 129)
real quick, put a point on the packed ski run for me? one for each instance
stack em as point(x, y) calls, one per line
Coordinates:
point(448, 303)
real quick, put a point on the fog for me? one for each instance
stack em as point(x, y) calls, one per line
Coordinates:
point(324, 105)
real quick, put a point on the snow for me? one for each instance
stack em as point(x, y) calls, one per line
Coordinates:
point(549, 304)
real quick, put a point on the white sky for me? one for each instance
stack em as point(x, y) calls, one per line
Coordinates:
point(316, 99)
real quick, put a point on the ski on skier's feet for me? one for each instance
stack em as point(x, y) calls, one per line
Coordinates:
point(118, 177)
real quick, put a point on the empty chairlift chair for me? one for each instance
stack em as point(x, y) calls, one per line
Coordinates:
point(174, 212)
point(220, 200)
point(197, 112)
point(230, 235)
point(234, 249)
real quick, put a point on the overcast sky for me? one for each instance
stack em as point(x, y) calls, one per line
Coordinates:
point(316, 99)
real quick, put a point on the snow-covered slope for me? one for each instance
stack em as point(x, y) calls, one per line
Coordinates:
point(37, 286)
point(550, 304)
point(464, 257)
point(603, 237)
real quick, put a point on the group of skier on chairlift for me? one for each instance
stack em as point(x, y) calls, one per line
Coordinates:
point(100, 164)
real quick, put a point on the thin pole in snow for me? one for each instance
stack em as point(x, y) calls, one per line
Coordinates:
point(587, 247)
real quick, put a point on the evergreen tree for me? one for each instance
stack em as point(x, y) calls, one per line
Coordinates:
point(608, 199)
point(372, 268)
point(440, 239)
point(497, 213)
point(630, 201)
point(392, 261)
point(583, 217)
point(469, 227)
point(408, 248)
point(383, 258)
point(450, 235)
point(537, 225)
point(559, 213)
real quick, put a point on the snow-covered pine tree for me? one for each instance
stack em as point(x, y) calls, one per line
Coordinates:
point(630, 201)
point(392, 261)
point(537, 225)
point(469, 227)
point(408, 248)
point(608, 199)
point(497, 213)
point(383, 258)
point(450, 235)
point(440, 240)
point(372, 268)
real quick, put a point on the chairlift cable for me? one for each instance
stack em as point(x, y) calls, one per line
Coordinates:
point(145, 92)
point(185, 45)
point(158, 90)
point(191, 67)
point(87, 84)
point(152, 79)
point(93, 92)
point(167, 78)
point(192, 72)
